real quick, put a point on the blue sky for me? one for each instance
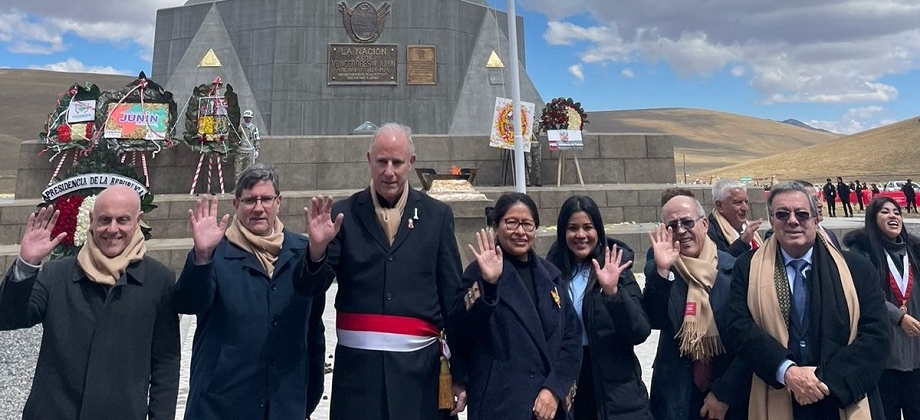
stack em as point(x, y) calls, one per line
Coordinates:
point(842, 65)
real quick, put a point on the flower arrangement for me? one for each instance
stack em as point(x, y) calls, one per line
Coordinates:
point(83, 222)
point(563, 114)
point(211, 119)
point(60, 134)
point(69, 207)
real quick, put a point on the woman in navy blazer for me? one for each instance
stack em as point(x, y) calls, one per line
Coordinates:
point(517, 334)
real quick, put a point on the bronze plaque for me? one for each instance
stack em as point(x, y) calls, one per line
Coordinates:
point(362, 64)
point(421, 65)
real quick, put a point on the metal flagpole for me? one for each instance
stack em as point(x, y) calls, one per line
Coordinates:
point(520, 185)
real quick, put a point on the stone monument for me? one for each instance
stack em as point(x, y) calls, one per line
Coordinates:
point(324, 67)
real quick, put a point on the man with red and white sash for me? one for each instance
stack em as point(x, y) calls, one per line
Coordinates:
point(808, 319)
point(394, 255)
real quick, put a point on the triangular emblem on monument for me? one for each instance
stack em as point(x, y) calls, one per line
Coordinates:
point(209, 60)
point(495, 62)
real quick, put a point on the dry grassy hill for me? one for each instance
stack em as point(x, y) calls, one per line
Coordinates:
point(26, 98)
point(886, 152)
point(709, 139)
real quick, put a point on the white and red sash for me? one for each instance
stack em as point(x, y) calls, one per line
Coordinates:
point(386, 333)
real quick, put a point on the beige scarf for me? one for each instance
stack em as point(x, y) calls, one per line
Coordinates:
point(389, 218)
point(698, 334)
point(766, 276)
point(265, 248)
point(105, 270)
point(730, 233)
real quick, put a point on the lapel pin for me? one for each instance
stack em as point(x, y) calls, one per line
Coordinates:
point(416, 214)
point(411, 225)
point(555, 294)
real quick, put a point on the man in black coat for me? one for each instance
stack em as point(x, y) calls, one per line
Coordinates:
point(910, 195)
point(858, 188)
point(843, 191)
point(110, 346)
point(686, 290)
point(830, 197)
point(729, 226)
point(394, 255)
point(807, 317)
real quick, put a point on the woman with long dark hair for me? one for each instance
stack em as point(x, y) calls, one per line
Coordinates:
point(516, 332)
point(894, 252)
point(596, 275)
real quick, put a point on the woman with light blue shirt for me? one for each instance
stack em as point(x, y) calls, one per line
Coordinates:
point(595, 271)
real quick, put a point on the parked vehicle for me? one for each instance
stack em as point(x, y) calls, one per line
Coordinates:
point(896, 186)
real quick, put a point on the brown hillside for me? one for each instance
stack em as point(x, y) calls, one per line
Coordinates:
point(27, 96)
point(709, 139)
point(886, 152)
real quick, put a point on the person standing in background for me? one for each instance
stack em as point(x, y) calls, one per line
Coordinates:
point(250, 144)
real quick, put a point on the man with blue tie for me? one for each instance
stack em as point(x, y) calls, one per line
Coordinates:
point(808, 318)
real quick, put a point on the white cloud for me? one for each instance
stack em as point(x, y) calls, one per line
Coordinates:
point(824, 51)
point(72, 65)
point(575, 70)
point(627, 73)
point(39, 26)
point(854, 120)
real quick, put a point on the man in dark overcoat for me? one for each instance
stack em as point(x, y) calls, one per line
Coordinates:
point(687, 287)
point(394, 255)
point(809, 318)
point(258, 345)
point(110, 345)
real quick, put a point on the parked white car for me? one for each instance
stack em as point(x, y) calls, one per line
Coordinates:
point(896, 186)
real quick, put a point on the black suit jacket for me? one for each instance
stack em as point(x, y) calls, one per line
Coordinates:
point(735, 247)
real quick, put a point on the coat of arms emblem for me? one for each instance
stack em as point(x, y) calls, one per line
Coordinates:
point(365, 22)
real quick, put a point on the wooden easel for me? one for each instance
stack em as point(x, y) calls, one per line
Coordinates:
point(562, 154)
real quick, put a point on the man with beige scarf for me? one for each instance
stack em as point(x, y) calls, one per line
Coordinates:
point(258, 349)
point(687, 284)
point(393, 252)
point(729, 227)
point(810, 320)
point(110, 346)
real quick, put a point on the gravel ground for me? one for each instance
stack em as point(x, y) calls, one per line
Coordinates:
point(18, 354)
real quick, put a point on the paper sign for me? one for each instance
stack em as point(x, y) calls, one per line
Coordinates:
point(562, 140)
point(81, 111)
point(503, 124)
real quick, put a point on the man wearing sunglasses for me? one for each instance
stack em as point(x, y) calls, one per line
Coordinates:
point(686, 289)
point(728, 224)
point(807, 317)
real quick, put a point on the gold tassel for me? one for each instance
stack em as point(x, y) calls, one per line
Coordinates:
point(445, 391)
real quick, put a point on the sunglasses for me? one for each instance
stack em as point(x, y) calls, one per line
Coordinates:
point(687, 224)
point(800, 215)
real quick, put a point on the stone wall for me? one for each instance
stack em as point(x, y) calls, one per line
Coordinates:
point(318, 163)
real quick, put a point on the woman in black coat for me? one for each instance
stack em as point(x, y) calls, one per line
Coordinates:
point(516, 332)
point(894, 253)
point(596, 275)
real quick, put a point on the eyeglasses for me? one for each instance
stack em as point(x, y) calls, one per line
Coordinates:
point(513, 224)
point(800, 215)
point(687, 224)
point(252, 201)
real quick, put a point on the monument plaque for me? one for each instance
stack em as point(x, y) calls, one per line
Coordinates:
point(362, 64)
point(421, 65)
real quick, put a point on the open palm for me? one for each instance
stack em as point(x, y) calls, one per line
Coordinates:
point(609, 276)
point(666, 249)
point(488, 256)
point(321, 228)
point(207, 232)
point(37, 242)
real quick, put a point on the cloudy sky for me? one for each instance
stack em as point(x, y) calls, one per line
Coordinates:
point(843, 65)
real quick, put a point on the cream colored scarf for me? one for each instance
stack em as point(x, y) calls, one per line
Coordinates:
point(730, 233)
point(389, 218)
point(698, 335)
point(766, 275)
point(265, 248)
point(105, 270)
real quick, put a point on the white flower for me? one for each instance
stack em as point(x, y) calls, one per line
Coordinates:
point(83, 222)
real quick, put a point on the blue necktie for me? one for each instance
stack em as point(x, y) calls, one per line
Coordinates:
point(799, 291)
